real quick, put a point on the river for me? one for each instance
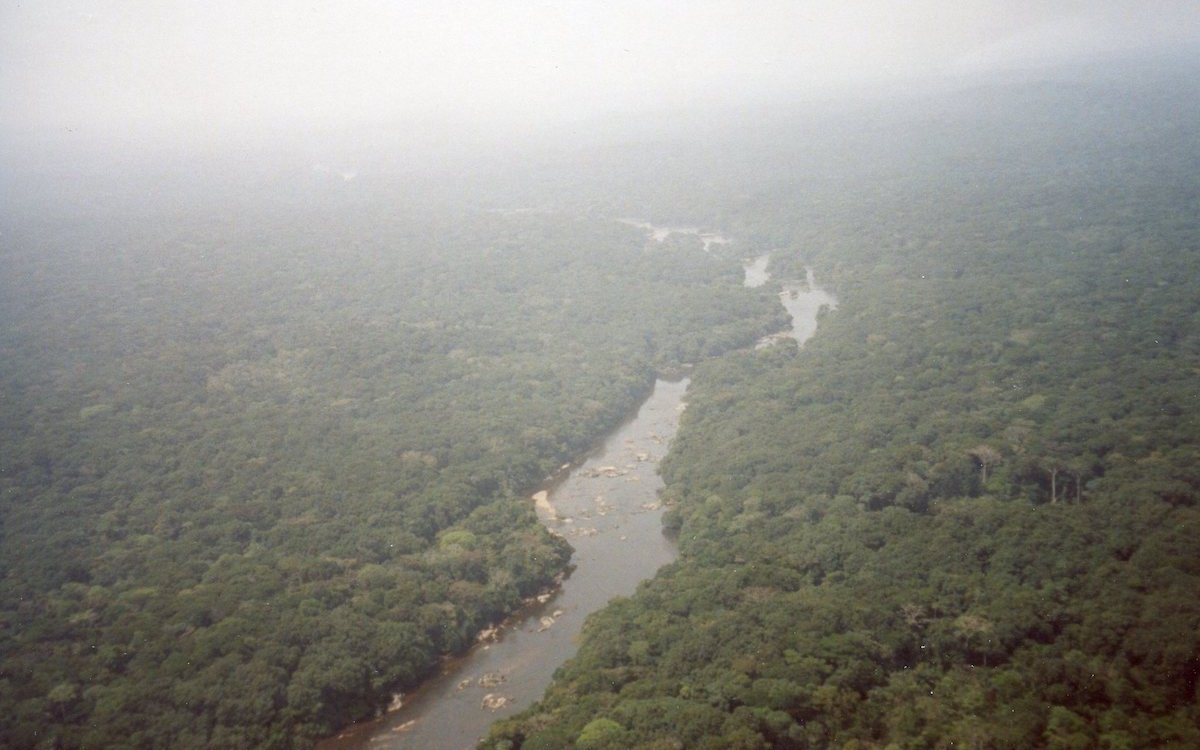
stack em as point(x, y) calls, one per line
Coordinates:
point(607, 506)
point(802, 299)
point(661, 233)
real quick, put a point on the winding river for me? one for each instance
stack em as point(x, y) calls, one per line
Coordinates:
point(802, 299)
point(607, 506)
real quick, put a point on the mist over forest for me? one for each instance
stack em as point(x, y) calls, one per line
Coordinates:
point(277, 384)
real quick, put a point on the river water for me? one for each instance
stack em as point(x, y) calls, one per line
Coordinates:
point(661, 233)
point(607, 507)
point(802, 299)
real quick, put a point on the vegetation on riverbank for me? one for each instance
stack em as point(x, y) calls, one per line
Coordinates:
point(966, 513)
point(263, 467)
point(265, 460)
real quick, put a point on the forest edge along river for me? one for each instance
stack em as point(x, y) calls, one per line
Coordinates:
point(607, 506)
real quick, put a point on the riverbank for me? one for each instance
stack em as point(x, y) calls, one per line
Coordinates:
point(607, 507)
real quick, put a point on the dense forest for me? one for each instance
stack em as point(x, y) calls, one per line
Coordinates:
point(965, 514)
point(267, 438)
point(265, 463)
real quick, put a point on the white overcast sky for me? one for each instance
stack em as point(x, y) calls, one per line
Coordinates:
point(208, 68)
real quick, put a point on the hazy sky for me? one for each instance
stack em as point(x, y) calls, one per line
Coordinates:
point(213, 68)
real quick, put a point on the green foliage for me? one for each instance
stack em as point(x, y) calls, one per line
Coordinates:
point(965, 513)
point(258, 475)
point(598, 734)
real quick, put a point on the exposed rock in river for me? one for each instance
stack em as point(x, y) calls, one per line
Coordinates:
point(541, 500)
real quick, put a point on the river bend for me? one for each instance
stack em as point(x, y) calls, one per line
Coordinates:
point(607, 506)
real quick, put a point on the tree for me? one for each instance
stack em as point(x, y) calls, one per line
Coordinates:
point(987, 457)
point(599, 734)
